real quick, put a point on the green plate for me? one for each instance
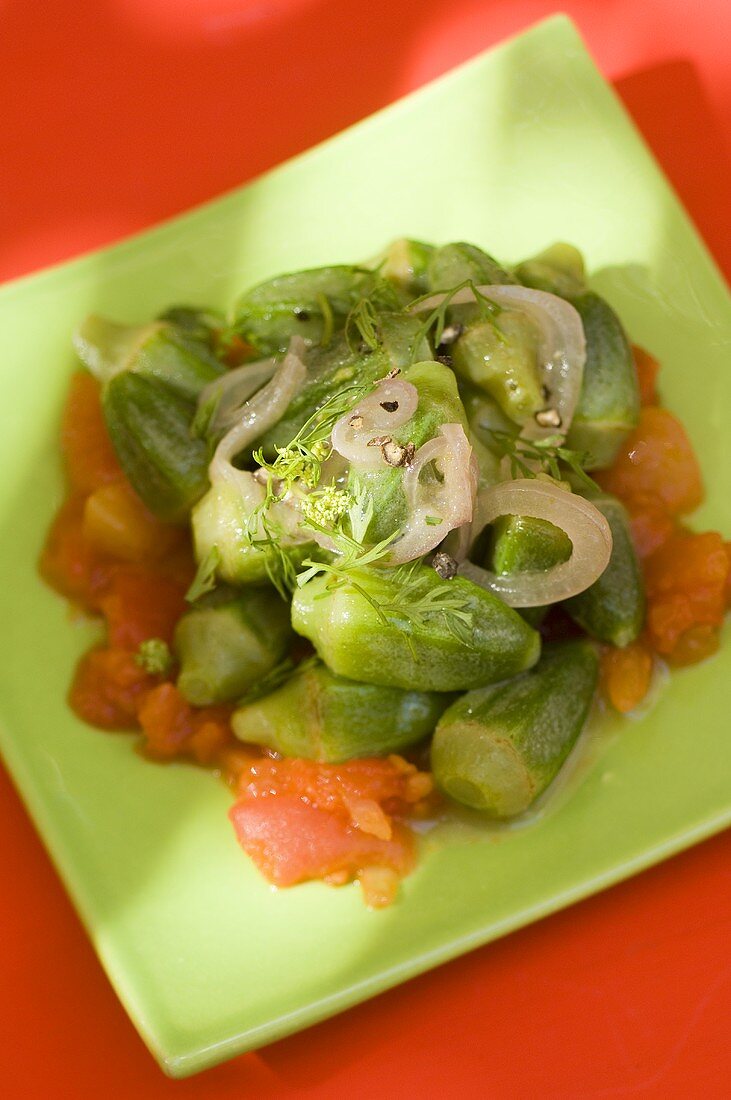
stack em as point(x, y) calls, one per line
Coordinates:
point(523, 146)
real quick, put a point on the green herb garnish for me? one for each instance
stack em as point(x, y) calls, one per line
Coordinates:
point(154, 656)
point(205, 577)
point(548, 453)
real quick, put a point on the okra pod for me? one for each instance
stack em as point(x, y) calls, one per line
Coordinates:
point(228, 642)
point(456, 263)
point(498, 748)
point(608, 406)
point(313, 304)
point(427, 634)
point(612, 609)
point(319, 715)
point(149, 426)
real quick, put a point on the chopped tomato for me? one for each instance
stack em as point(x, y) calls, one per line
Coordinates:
point(117, 523)
point(90, 457)
point(392, 783)
point(108, 688)
point(651, 528)
point(656, 466)
point(68, 563)
point(697, 643)
point(686, 583)
point(173, 728)
point(141, 603)
point(291, 841)
point(626, 675)
point(299, 820)
point(647, 367)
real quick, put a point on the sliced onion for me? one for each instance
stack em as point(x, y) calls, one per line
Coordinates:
point(352, 434)
point(562, 348)
point(590, 535)
point(233, 389)
point(448, 501)
point(262, 412)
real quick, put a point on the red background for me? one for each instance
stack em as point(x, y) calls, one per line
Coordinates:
point(116, 113)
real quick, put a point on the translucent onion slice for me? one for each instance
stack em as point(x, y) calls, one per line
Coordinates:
point(584, 524)
point(233, 389)
point(438, 506)
point(562, 347)
point(369, 419)
point(262, 412)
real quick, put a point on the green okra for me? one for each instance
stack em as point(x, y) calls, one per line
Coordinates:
point(612, 609)
point(220, 523)
point(149, 426)
point(517, 544)
point(485, 417)
point(498, 748)
point(381, 631)
point(151, 377)
point(503, 360)
point(160, 351)
point(609, 404)
point(201, 325)
point(525, 543)
point(319, 715)
point(405, 263)
point(558, 270)
point(456, 263)
point(439, 403)
point(228, 642)
point(313, 304)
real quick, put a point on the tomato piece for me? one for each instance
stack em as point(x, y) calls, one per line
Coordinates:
point(626, 675)
point(686, 581)
point(141, 603)
point(117, 523)
point(697, 643)
point(108, 687)
point(656, 466)
point(173, 728)
point(85, 442)
point(390, 782)
point(68, 563)
point(651, 528)
point(292, 841)
point(647, 368)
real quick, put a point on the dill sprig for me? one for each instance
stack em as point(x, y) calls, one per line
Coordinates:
point(361, 323)
point(296, 467)
point(302, 459)
point(436, 320)
point(205, 577)
point(418, 603)
point(154, 656)
point(548, 453)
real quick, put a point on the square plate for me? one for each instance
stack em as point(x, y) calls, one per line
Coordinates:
point(521, 147)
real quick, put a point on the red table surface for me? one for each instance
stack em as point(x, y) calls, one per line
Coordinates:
point(116, 113)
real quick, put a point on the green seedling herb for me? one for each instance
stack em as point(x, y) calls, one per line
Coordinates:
point(548, 453)
point(154, 656)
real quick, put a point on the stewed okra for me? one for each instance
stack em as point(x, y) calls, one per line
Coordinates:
point(382, 470)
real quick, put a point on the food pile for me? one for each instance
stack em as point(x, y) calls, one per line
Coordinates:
point(377, 540)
